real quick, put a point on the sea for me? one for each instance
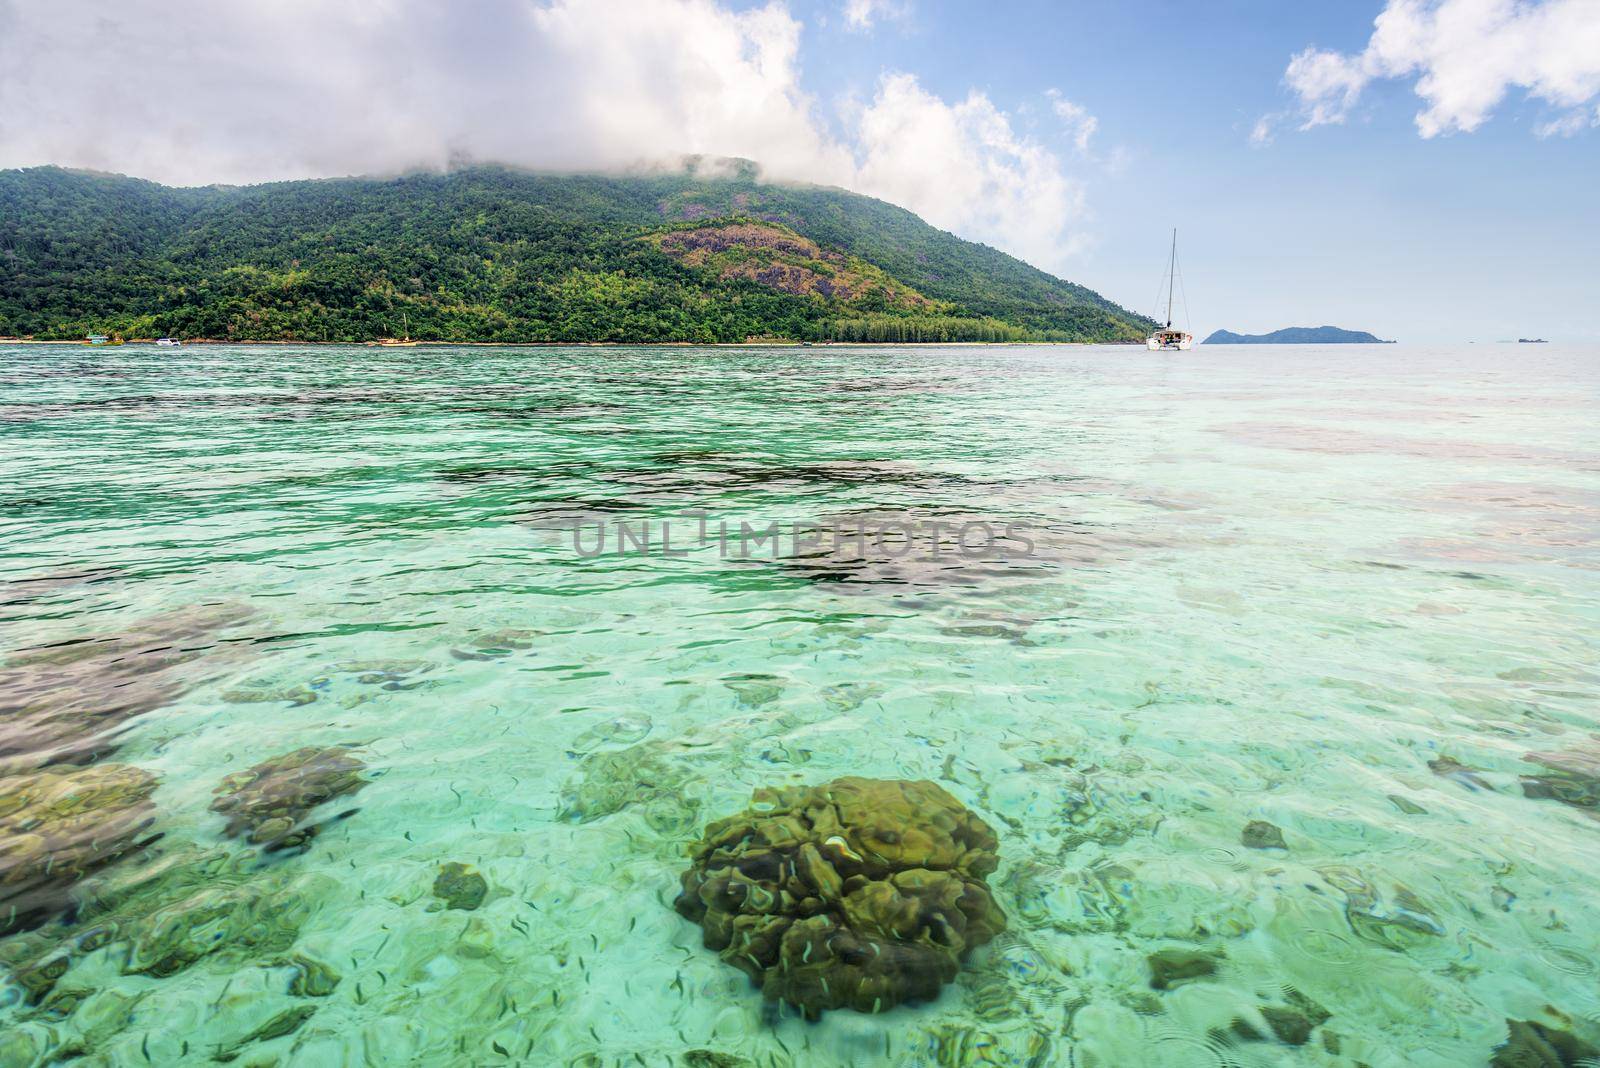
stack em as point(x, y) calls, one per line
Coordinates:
point(363, 706)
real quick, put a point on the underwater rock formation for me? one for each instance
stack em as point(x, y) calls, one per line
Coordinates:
point(1292, 1024)
point(651, 775)
point(1448, 767)
point(1259, 834)
point(1533, 1045)
point(166, 915)
point(1572, 776)
point(65, 703)
point(59, 825)
point(1174, 967)
point(268, 804)
point(459, 886)
point(1399, 919)
point(860, 893)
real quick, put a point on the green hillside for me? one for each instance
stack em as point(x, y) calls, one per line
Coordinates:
point(491, 254)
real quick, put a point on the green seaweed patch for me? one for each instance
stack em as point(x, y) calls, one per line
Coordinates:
point(860, 893)
point(269, 803)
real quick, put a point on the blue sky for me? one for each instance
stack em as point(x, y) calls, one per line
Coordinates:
point(1418, 168)
point(1484, 235)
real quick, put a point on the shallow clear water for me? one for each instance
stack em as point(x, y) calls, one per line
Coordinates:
point(1344, 590)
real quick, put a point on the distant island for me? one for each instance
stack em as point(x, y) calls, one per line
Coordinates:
point(494, 254)
point(1298, 335)
point(1531, 341)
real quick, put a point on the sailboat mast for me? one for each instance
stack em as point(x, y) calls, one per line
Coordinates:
point(1172, 270)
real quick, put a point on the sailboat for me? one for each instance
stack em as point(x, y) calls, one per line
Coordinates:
point(403, 342)
point(1167, 337)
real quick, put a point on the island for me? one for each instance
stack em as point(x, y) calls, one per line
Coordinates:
point(1298, 335)
point(500, 255)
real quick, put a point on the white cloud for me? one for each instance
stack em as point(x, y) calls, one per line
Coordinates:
point(262, 89)
point(988, 179)
point(1465, 55)
point(1568, 125)
point(862, 14)
point(192, 91)
point(1079, 123)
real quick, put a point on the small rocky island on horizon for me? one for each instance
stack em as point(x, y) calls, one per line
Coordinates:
point(1298, 335)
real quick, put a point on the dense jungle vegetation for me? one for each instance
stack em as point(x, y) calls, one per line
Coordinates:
point(494, 254)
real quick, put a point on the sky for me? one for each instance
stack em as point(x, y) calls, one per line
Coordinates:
point(1424, 169)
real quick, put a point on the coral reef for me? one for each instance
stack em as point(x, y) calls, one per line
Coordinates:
point(58, 825)
point(860, 893)
point(269, 803)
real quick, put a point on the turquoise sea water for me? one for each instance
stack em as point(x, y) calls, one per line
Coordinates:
point(1350, 591)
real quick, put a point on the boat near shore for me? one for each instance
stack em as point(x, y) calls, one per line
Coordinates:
point(402, 342)
point(1167, 338)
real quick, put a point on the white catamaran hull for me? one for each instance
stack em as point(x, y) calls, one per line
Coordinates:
point(1183, 344)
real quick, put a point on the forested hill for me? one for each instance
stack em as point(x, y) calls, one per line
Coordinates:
point(491, 254)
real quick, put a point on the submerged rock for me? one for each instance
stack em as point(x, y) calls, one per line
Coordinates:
point(1406, 805)
point(284, 1023)
point(1291, 1024)
point(268, 804)
point(708, 1058)
point(1571, 776)
point(1448, 767)
point(625, 729)
point(1533, 1045)
point(239, 919)
point(651, 775)
point(59, 825)
point(1398, 920)
point(1259, 834)
point(1174, 967)
point(312, 978)
point(860, 893)
point(186, 906)
point(460, 886)
point(65, 703)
